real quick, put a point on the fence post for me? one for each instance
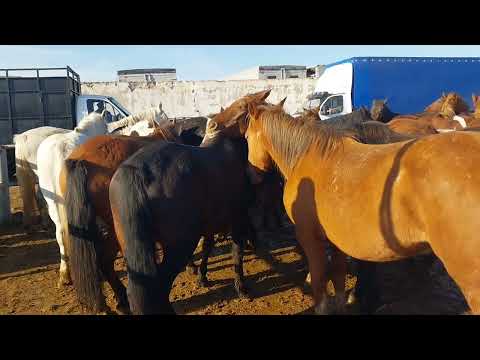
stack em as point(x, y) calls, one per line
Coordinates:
point(4, 188)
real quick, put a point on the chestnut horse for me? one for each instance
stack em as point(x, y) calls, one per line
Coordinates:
point(440, 115)
point(84, 182)
point(360, 198)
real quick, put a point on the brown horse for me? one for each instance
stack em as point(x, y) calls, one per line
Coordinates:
point(448, 106)
point(85, 180)
point(360, 198)
point(87, 175)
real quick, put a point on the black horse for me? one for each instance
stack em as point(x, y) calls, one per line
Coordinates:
point(348, 121)
point(164, 198)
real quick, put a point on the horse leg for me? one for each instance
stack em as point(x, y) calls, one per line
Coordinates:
point(365, 293)
point(338, 267)
point(117, 286)
point(207, 246)
point(43, 209)
point(314, 246)
point(107, 250)
point(27, 190)
point(64, 278)
point(238, 244)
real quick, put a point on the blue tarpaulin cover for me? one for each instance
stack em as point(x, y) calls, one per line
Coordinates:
point(412, 83)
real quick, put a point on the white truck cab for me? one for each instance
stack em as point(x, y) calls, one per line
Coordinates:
point(333, 92)
point(89, 103)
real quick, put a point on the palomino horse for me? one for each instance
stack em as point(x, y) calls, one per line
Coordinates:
point(360, 196)
point(84, 179)
point(26, 148)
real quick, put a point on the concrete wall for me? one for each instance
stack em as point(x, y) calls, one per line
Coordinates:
point(200, 98)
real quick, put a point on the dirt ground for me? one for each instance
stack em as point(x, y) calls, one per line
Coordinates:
point(29, 272)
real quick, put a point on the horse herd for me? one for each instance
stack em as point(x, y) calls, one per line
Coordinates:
point(371, 186)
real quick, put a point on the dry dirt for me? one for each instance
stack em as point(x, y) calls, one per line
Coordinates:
point(29, 273)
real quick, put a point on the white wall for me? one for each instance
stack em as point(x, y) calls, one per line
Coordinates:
point(200, 98)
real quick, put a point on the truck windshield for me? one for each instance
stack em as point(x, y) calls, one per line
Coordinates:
point(117, 104)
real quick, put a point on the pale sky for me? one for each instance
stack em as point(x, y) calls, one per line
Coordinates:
point(198, 62)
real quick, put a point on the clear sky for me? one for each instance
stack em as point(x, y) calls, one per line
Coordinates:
point(197, 62)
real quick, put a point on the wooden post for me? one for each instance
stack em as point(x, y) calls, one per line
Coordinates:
point(4, 188)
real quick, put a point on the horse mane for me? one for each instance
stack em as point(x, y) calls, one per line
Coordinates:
point(374, 132)
point(453, 104)
point(166, 131)
point(292, 137)
point(147, 115)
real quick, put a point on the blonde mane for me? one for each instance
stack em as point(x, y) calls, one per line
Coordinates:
point(154, 114)
point(292, 137)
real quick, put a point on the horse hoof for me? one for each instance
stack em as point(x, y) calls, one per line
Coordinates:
point(123, 310)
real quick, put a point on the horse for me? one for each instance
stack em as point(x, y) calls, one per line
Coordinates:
point(86, 175)
point(380, 111)
point(337, 186)
point(444, 117)
point(471, 120)
point(26, 148)
point(175, 195)
point(84, 179)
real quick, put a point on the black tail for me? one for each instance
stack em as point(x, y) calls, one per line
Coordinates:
point(82, 236)
point(129, 201)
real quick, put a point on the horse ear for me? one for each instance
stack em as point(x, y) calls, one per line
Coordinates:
point(474, 99)
point(385, 101)
point(160, 106)
point(280, 104)
point(222, 109)
point(262, 95)
point(212, 125)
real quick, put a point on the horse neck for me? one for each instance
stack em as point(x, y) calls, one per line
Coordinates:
point(284, 150)
point(92, 127)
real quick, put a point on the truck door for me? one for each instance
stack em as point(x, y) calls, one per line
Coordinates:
point(331, 107)
point(98, 105)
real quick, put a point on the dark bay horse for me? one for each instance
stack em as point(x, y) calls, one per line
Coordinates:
point(164, 198)
point(359, 196)
point(91, 242)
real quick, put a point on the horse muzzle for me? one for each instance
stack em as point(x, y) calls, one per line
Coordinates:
point(255, 175)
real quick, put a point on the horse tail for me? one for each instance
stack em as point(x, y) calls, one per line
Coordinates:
point(130, 207)
point(82, 235)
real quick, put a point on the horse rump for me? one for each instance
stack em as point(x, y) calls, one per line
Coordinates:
point(82, 236)
point(130, 208)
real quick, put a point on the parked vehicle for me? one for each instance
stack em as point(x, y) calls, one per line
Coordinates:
point(30, 98)
point(408, 83)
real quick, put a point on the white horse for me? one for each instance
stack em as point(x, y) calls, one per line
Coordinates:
point(142, 124)
point(56, 149)
point(26, 147)
point(50, 156)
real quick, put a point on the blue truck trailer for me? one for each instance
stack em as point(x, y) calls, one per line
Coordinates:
point(409, 83)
